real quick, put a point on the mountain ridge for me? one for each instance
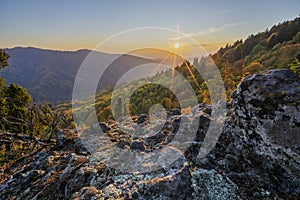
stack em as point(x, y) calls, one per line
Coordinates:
point(49, 75)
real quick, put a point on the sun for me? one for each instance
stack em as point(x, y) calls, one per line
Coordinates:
point(176, 45)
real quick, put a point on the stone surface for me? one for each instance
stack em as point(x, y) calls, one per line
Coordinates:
point(175, 112)
point(208, 184)
point(256, 156)
point(141, 119)
point(252, 151)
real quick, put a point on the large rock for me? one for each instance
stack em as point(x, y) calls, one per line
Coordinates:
point(256, 156)
point(269, 103)
point(259, 147)
point(209, 185)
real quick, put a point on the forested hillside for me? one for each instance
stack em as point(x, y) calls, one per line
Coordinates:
point(277, 48)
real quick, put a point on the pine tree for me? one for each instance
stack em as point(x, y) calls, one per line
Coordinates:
point(3, 59)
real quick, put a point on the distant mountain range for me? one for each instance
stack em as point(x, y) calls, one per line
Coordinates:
point(48, 75)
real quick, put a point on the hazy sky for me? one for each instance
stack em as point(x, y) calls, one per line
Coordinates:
point(73, 24)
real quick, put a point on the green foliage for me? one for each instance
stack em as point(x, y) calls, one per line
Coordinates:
point(253, 68)
point(295, 66)
point(147, 95)
point(22, 122)
point(272, 49)
point(16, 99)
point(3, 59)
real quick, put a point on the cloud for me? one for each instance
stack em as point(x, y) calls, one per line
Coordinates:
point(219, 29)
point(180, 37)
point(209, 47)
point(206, 32)
point(175, 38)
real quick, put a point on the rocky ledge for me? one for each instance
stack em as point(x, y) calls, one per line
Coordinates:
point(256, 156)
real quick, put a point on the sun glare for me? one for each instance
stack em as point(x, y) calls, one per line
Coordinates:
point(176, 45)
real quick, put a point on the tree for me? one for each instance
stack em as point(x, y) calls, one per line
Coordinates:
point(253, 68)
point(3, 111)
point(3, 59)
point(16, 100)
point(49, 118)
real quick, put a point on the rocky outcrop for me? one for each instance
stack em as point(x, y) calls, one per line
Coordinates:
point(259, 147)
point(255, 157)
point(208, 184)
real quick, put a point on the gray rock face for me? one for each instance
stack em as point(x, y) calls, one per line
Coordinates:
point(256, 156)
point(259, 147)
point(271, 101)
point(208, 184)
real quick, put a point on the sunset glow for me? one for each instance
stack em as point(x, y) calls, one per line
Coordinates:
point(84, 26)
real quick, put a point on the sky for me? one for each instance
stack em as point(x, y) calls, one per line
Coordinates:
point(74, 24)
